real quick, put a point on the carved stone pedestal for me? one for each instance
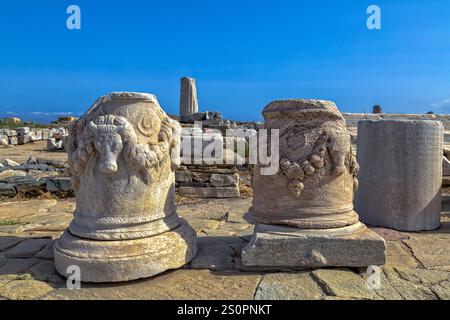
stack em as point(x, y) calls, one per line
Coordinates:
point(305, 211)
point(125, 224)
point(114, 261)
point(282, 247)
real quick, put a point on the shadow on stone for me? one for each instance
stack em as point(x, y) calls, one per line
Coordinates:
point(444, 229)
point(217, 253)
point(33, 256)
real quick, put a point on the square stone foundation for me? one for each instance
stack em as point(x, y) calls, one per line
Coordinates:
point(282, 247)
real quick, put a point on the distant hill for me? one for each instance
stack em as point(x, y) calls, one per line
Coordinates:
point(36, 117)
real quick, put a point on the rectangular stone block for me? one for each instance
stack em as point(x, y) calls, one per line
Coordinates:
point(23, 130)
point(445, 119)
point(24, 184)
point(284, 247)
point(12, 133)
point(45, 134)
point(212, 122)
point(183, 176)
point(352, 119)
point(59, 184)
point(224, 180)
point(4, 140)
point(223, 169)
point(24, 139)
point(7, 190)
point(12, 140)
point(209, 192)
point(393, 116)
point(37, 135)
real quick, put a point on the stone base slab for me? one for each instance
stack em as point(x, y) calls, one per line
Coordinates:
point(115, 261)
point(281, 247)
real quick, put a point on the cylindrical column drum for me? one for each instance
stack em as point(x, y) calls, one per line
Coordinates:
point(314, 187)
point(401, 174)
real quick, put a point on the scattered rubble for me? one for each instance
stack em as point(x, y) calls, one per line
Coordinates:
point(35, 177)
point(56, 137)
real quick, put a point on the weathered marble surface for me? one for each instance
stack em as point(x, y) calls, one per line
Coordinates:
point(401, 173)
point(305, 212)
point(279, 247)
point(224, 232)
point(314, 187)
point(122, 155)
point(116, 261)
point(188, 97)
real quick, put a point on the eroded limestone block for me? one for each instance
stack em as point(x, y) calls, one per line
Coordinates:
point(12, 140)
point(24, 139)
point(23, 130)
point(53, 144)
point(56, 184)
point(4, 140)
point(125, 224)
point(305, 211)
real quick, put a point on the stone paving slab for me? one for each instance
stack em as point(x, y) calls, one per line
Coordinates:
point(417, 263)
point(344, 283)
point(180, 284)
point(27, 248)
point(289, 286)
point(9, 242)
point(217, 253)
point(399, 256)
point(409, 290)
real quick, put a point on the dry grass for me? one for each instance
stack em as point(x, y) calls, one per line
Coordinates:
point(8, 223)
point(37, 194)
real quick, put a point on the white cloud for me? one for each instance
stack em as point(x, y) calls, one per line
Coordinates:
point(442, 105)
point(50, 113)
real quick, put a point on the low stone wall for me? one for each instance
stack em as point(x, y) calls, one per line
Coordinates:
point(352, 119)
point(207, 182)
point(39, 176)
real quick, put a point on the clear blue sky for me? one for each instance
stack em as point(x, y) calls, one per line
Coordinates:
point(243, 53)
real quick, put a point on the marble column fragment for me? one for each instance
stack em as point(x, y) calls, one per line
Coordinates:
point(125, 225)
point(304, 213)
point(188, 97)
